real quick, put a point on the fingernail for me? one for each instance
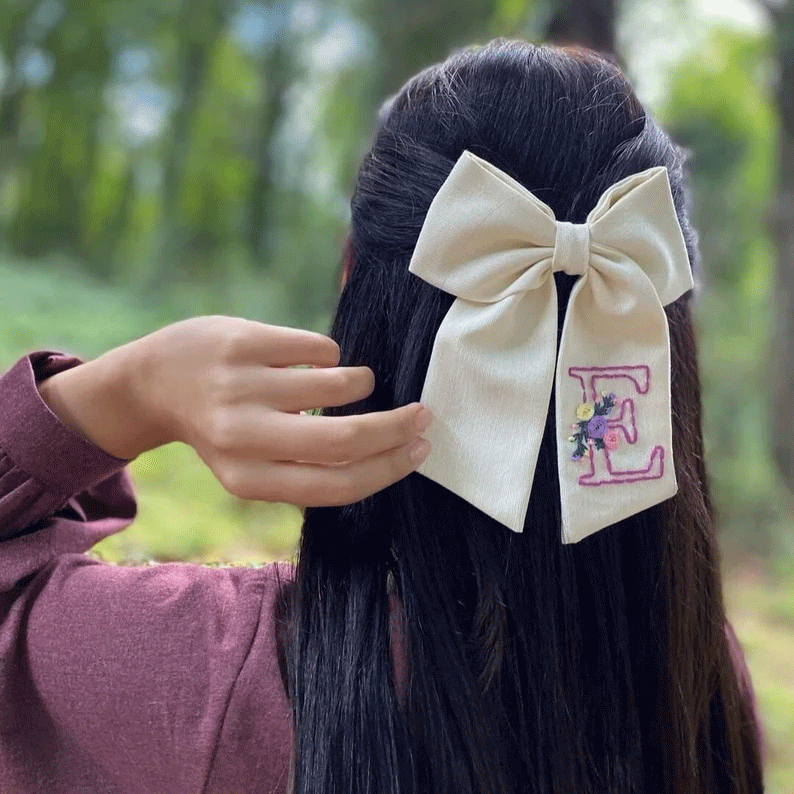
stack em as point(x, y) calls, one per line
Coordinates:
point(423, 419)
point(418, 450)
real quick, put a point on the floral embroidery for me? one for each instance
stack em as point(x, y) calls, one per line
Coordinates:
point(584, 411)
point(597, 426)
point(592, 429)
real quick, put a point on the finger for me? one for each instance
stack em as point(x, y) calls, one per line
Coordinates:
point(296, 390)
point(308, 485)
point(341, 439)
point(321, 439)
point(304, 389)
point(277, 346)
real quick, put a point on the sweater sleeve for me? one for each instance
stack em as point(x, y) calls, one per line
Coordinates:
point(58, 491)
point(115, 678)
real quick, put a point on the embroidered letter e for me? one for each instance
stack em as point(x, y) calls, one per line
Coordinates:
point(603, 470)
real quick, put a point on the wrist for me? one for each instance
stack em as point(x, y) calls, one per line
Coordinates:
point(97, 400)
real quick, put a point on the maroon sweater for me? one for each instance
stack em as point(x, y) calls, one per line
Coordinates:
point(133, 680)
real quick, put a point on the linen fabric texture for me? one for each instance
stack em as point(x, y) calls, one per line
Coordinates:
point(494, 245)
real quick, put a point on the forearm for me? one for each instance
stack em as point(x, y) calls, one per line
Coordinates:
point(97, 401)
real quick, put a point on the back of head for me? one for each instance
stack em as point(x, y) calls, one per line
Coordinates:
point(534, 666)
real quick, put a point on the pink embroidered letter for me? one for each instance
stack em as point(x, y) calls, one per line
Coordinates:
point(602, 469)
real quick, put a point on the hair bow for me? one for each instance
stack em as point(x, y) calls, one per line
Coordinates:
point(494, 245)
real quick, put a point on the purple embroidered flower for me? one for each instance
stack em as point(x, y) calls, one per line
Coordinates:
point(592, 427)
point(596, 427)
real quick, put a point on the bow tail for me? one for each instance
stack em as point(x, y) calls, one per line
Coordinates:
point(613, 402)
point(488, 384)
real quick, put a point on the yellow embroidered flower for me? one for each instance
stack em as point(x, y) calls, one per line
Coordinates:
point(584, 412)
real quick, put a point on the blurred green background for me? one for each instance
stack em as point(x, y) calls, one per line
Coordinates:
point(160, 160)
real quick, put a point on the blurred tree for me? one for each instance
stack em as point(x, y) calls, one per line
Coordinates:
point(218, 169)
point(730, 164)
point(413, 34)
point(197, 27)
point(401, 38)
point(718, 106)
point(591, 23)
point(56, 190)
point(13, 40)
point(782, 231)
point(275, 77)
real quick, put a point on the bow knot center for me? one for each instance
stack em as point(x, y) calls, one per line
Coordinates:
point(571, 248)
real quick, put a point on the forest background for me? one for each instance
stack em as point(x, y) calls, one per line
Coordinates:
point(161, 159)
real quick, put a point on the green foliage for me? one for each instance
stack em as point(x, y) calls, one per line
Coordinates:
point(184, 512)
point(63, 309)
point(212, 199)
point(719, 106)
point(762, 613)
point(232, 174)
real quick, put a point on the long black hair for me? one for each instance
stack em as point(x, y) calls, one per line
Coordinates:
point(532, 666)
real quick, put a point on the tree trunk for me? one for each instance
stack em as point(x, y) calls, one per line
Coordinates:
point(782, 230)
point(275, 79)
point(54, 201)
point(591, 23)
point(198, 28)
point(413, 34)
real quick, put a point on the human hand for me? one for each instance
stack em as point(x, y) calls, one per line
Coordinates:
point(227, 386)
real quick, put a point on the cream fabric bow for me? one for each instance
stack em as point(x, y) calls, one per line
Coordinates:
point(494, 245)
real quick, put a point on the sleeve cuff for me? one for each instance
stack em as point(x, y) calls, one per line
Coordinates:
point(37, 440)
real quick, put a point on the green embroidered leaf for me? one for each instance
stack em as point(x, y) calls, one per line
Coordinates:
point(581, 437)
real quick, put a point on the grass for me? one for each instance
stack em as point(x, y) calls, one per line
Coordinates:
point(762, 613)
point(185, 514)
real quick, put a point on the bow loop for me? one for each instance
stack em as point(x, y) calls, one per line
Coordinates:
point(499, 241)
point(635, 220)
point(494, 245)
